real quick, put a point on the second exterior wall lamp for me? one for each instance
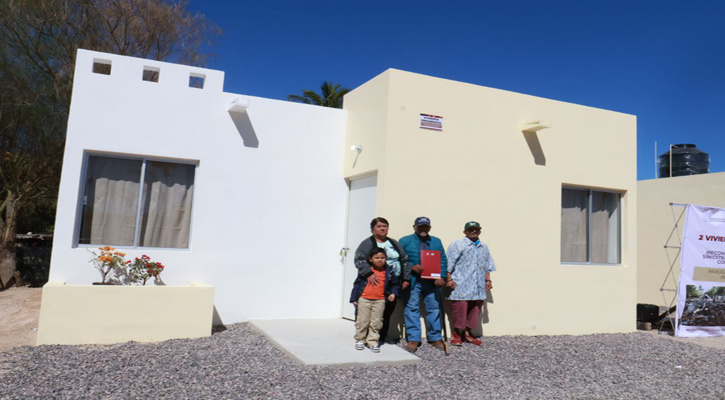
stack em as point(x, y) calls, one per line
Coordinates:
point(535, 126)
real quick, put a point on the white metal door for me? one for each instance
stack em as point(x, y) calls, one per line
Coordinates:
point(360, 211)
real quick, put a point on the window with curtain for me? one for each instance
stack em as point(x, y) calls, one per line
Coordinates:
point(590, 226)
point(136, 202)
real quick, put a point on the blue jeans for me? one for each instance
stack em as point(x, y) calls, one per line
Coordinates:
point(431, 298)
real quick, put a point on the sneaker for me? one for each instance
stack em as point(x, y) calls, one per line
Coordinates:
point(456, 339)
point(359, 345)
point(375, 349)
point(472, 340)
point(412, 346)
point(438, 344)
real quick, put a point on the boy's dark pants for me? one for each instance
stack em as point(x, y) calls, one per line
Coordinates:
point(389, 308)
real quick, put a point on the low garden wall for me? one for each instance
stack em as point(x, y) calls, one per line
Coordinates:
point(85, 314)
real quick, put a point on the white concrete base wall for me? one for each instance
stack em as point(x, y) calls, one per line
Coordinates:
point(84, 314)
point(267, 222)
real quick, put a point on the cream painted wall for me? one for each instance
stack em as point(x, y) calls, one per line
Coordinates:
point(367, 126)
point(656, 220)
point(85, 314)
point(264, 218)
point(482, 167)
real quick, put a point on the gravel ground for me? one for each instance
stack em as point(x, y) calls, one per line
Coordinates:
point(242, 363)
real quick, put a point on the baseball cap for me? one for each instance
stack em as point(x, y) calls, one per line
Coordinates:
point(471, 224)
point(422, 221)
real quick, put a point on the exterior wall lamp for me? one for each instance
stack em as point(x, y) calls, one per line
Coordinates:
point(535, 126)
point(238, 105)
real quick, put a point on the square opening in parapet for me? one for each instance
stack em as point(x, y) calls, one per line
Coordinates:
point(196, 80)
point(151, 74)
point(102, 67)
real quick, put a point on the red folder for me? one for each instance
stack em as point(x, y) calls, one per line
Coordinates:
point(430, 260)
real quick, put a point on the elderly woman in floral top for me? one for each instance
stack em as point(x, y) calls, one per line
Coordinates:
point(469, 266)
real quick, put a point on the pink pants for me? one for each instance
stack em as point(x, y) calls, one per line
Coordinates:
point(464, 313)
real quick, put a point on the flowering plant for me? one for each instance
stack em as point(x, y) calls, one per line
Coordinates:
point(142, 269)
point(108, 261)
point(116, 270)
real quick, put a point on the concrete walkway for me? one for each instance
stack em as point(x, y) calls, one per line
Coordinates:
point(328, 342)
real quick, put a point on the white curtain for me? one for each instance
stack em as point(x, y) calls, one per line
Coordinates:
point(574, 230)
point(167, 199)
point(110, 201)
point(605, 227)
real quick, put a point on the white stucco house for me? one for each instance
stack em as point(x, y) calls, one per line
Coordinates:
point(261, 198)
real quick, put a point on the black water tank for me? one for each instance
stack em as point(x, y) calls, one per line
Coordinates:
point(687, 159)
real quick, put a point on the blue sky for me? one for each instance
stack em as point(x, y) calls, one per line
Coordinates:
point(663, 61)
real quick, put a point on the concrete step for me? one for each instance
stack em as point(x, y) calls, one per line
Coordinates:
point(328, 342)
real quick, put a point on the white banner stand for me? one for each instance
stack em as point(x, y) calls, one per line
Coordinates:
point(673, 248)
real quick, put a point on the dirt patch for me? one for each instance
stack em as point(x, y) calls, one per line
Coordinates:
point(19, 313)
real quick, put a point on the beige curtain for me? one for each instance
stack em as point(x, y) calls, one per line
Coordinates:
point(110, 201)
point(574, 214)
point(168, 191)
point(605, 228)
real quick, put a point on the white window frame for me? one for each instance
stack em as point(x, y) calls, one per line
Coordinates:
point(144, 160)
point(590, 203)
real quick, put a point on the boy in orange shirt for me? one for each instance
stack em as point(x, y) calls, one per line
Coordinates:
point(370, 301)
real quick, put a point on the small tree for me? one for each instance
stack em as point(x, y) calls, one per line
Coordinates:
point(330, 96)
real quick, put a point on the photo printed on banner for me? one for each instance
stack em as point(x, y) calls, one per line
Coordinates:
point(704, 305)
